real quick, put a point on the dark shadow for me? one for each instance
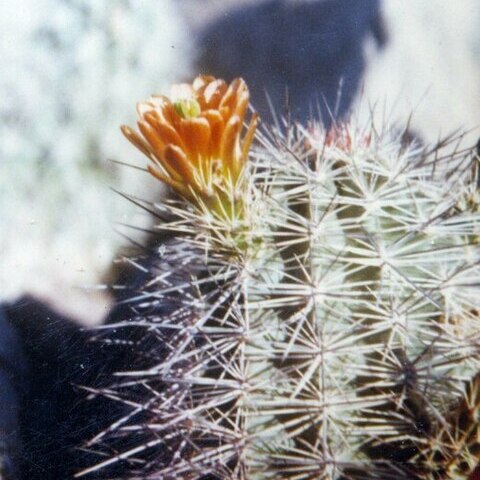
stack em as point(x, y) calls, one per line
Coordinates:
point(45, 359)
point(310, 48)
point(12, 381)
point(49, 357)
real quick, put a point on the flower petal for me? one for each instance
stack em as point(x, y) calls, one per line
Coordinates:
point(196, 136)
point(136, 140)
point(201, 81)
point(242, 105)
point(249, 136)
point(230, 145)
point(217, 126)
point(175, 158)
point(178, 186)
point(229, 100)
point(214, 93)
point(181, 91)
point(149, 133)
point(166, 132)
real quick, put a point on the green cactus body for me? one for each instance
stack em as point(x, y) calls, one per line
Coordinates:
point(329, 330)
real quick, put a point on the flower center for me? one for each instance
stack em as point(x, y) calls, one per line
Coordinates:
point(187, 107)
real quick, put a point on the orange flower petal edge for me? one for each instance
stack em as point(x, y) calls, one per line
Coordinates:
point(196, 139)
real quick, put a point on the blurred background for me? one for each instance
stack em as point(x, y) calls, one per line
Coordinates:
point(72, 71)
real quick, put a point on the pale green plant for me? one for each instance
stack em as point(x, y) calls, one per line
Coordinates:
point(328, 329)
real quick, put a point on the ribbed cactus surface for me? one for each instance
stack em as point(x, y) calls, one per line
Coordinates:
point(313, 315)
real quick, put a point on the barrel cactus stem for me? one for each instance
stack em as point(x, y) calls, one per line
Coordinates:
point(315, 311)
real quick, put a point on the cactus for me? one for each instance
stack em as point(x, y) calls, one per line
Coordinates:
point(312, 311)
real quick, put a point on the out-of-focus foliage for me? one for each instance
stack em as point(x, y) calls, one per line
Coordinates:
point(71, 70)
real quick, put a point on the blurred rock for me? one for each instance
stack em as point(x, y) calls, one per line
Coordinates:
point(311, 52)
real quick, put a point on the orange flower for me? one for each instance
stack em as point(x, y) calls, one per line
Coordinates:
point(194, 139)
